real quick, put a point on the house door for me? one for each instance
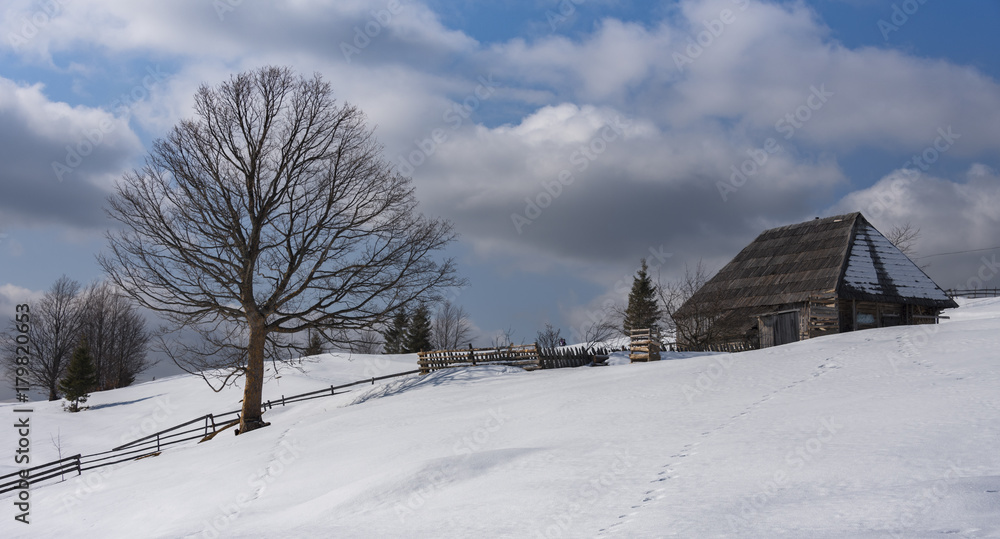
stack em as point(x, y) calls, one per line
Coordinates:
point(779, 328)
point(786, 328)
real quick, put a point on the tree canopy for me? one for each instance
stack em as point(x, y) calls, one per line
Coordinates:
point(270, 213)
point(643, 310)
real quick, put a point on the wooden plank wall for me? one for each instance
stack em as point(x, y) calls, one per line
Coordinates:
point(822, 316)
point(644, 345)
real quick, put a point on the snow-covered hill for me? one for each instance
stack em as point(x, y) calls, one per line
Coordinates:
point(888, 432)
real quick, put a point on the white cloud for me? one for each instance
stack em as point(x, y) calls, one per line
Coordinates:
point(952, 216)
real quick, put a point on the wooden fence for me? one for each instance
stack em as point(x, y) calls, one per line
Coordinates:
point(528, 356)
point(523, 355)
point(201, 428)
point(571, 356)
point(974, 293)
point(644, 345)
point(736, 346)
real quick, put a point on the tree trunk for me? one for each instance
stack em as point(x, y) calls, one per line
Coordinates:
point(251, 415)
point(52, 393)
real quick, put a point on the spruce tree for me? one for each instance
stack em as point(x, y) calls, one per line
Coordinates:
point(643, 311)
point(80, 377)
point(395, 334)
point(418, 334)
point(315, 345)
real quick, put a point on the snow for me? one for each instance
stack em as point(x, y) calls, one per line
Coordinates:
point(896, 269)
point(885, 432)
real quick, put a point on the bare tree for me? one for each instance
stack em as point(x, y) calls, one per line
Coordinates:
point(450, 328)
point(549, 337)
point(269, 214)
point(702, 320)
point(367, 341)
point(55, 325)
point(117, 335)
point(604, 327)
point(904, 237)
point(503, 338)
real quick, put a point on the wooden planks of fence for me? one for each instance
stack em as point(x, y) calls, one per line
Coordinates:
point(732, 347)
point(17, 480)
point(523, 355)
point(644, 345)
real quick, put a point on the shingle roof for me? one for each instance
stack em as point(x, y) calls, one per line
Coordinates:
point(843, 254)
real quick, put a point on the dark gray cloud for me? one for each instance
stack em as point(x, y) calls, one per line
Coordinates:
point(59, 162)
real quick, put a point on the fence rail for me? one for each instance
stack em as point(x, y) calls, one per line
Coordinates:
point(973, 292)
point(153, 444)
point(522, 355)
point(37, 474)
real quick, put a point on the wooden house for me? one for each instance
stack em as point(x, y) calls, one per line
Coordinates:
point(806, 280)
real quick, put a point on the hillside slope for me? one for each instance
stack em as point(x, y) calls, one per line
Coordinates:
point(881, 432)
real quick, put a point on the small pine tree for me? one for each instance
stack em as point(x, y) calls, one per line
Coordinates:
point(418, 334)
point(643, 311)
point(80, 377)
point(315, 345)
point(395, 334)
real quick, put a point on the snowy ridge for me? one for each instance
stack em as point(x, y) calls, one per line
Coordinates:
point(885, 432)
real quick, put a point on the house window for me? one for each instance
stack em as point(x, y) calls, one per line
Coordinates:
point(866, 318)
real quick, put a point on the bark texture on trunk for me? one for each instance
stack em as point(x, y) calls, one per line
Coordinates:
point(251, 415)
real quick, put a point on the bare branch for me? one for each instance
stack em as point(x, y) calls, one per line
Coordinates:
point(270, 214)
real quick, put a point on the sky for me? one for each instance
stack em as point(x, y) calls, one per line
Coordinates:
point(564, 139)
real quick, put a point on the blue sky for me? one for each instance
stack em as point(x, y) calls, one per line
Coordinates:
point(535, 82)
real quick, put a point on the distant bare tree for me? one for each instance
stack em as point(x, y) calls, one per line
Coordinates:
point(450, 328)
point(549, 337)
point(503, 338)
point(904, 237)
point(55, 332)
point(116, 335)
point(271, 213)
point(368, 341)
point(603, 328)
point(701, 322)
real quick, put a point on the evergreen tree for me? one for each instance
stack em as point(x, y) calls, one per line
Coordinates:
point(418, 334)
point(80, 377)
point(315, 345)
point(643, 311)
point(395, 335)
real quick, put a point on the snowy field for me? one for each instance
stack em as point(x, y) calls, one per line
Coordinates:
point(881, 433)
